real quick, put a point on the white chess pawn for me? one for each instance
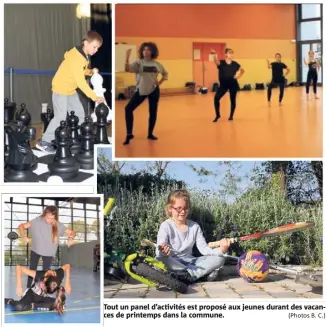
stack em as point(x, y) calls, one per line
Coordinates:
point(97, 82)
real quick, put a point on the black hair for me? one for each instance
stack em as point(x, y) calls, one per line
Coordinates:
point(52, 284)
point(152, 47)
point(227, 50)
point(278, 54)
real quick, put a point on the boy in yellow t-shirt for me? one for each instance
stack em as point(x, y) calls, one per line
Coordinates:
point(70, 76)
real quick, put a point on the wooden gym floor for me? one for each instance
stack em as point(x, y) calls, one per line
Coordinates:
point(185, 128)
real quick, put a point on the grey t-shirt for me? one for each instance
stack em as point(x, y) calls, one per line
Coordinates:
point(41, 233)
point(146, 74)
point(182, 243)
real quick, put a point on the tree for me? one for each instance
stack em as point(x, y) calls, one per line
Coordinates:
point(157, 168)
point(106, 166)
point(317, 167)
point(279, 172)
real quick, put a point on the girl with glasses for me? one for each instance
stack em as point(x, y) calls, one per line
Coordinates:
point(178, 235)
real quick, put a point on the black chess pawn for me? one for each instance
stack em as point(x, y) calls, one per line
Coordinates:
point(21, 160)
point(8, 115)
point(46, 118)
point(9, 111)
point(64, 164)
point(86, 155)
point(72, 122)
point(101, 112)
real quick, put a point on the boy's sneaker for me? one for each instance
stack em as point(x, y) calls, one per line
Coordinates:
point(45, 147)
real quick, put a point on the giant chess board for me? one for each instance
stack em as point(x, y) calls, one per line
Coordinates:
point(86, 177)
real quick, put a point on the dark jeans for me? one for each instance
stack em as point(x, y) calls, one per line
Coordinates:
point(314, 78)
point(269, 90)
point(25, 303)
point(135, 102)
point(220, 92)
point(47, 262)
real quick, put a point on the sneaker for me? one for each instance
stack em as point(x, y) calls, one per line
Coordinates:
point(184, 276)
point(213, 276)
point(45, 147)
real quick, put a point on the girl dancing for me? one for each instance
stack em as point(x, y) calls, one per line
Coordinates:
point(278, 77)
point(229, 73)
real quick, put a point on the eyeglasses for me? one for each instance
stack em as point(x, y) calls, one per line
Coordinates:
point(180, 209)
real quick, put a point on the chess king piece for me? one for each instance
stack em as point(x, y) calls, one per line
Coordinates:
point(21, 160)
point(64, 164)
point(86, 155)
point(72, 122)
point(46, 118)
point(101, 115)
point(97, 82)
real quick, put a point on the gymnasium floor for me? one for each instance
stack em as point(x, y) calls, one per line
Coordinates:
point(185, 129)
point(82, 305)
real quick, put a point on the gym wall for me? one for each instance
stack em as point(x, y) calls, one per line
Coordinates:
point(79, 256)
point(255, 32)
point(36, 36)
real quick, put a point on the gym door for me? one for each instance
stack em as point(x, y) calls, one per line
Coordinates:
point(205, 72)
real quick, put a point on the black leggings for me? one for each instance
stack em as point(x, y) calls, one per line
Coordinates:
point(25, 303)
point(47, 262)
point(312, 76)
point(135, 102)
point(269, 90)
point(220, 92)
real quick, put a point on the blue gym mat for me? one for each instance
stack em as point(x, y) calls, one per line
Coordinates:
point(82, 305)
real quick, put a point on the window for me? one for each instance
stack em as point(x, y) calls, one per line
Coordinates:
point(310, 31)
point(310, 11)
point(34, 201)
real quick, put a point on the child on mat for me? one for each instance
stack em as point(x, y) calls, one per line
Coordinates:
point(177, 237)
point(229, 73)
point(312, 75)
point(278, 77)
point(38, 296)
point(70, 76)
point(146, 69)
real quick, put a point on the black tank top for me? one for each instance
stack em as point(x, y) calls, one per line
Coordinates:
point(312, 67)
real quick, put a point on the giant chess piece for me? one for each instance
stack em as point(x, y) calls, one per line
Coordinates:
point(101, 115)
point(86, 155)
point(9, 111)
point(73, 121)
point(8, 114)
point(64, 164)
point(21, 160)
point(97, 82)
point(46, 118)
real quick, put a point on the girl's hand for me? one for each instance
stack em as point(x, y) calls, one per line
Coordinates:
point(70, 242)
point(128, 53)
point(19, 291)
point(26, 239)
point(164, 248)
point(95, 71)
point(225, 244)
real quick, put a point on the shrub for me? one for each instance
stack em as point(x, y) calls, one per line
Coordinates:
point(140, 214)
